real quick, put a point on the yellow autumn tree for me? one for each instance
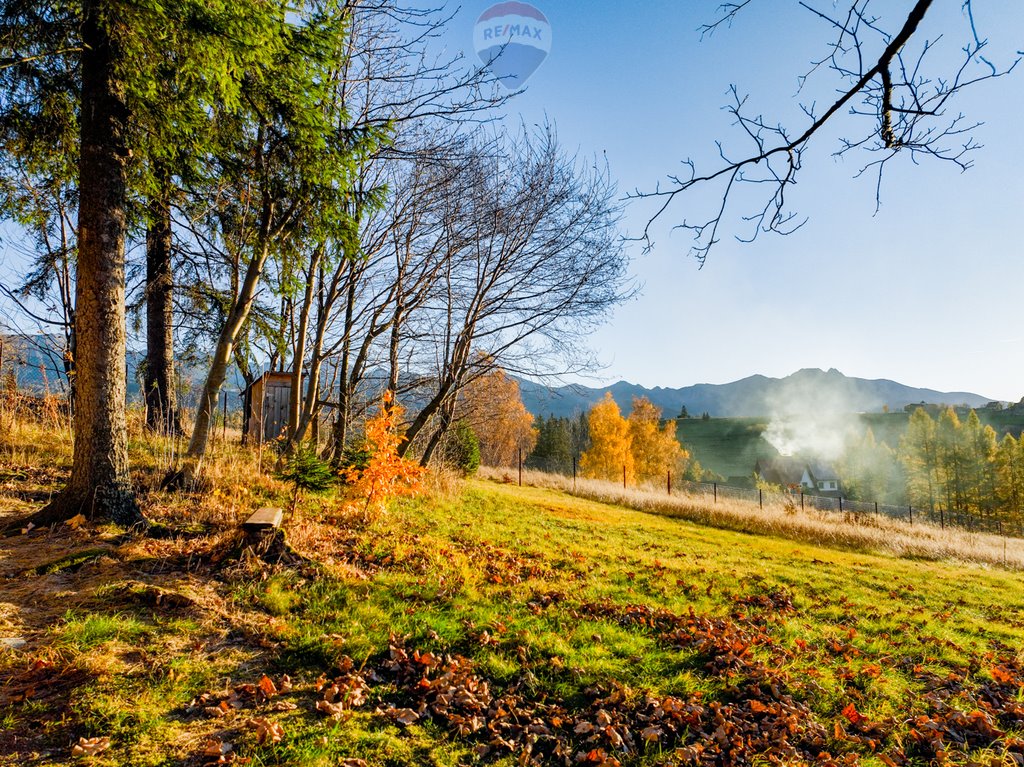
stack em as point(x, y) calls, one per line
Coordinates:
point(493, 407)
point(610, 450)
point(655, 447)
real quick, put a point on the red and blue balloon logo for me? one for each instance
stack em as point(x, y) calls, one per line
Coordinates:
point(512, 39)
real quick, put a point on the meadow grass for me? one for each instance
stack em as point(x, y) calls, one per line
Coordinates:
point(466, 574)
point(533, 586)
point(856, 531)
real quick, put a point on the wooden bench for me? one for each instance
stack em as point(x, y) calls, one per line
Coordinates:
point(267, 518)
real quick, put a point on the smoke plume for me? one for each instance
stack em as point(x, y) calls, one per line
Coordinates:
point(812, 415)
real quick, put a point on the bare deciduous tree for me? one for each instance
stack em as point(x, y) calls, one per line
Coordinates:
point(887, 77)
point(533, 260)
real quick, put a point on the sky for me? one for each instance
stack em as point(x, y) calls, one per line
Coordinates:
point(924, 291)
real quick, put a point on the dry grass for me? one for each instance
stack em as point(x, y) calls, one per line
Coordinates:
point(862, 532)
point(31, 427)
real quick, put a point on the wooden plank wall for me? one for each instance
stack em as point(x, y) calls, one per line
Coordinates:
point(275, 408)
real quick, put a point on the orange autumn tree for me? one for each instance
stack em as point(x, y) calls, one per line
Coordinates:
point(494, 407)
point(386, 475)
point(655, 448)
point(610, 450)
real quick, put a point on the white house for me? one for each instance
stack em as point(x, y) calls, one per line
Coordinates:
point(798, 475)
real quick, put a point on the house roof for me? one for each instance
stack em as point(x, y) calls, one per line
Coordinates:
point(784, 470)
point(787, 470)
point(822, 471)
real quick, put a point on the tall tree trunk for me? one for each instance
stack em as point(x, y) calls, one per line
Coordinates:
point(445, 419)
point(344, 403)
point(299, 354)
point(161, 403)
point(100, 485)
point(448, 388)
point(226, 341)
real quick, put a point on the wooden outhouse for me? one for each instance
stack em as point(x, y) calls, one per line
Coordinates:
point(265, 406)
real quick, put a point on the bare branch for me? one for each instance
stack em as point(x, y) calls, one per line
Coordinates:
point(909, 110)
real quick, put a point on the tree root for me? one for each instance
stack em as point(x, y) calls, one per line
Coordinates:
point(115, 504)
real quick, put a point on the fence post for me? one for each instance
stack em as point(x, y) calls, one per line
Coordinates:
point(801, 500)
point(942, 519)
point(670, 482)
point(715, 486)
point(623, 476)
point(224, 426)
point(876, 507)
point(574, 473)
point(520, 467)
point(760, 498)
point(911, 510)
point(840, 504)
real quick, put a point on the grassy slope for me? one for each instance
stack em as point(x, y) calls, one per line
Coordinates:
point(468, 574)
point(727, 446)
point(731, 446)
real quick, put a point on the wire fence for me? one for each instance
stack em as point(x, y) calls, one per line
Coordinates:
point(713, 492)
point(910, 514)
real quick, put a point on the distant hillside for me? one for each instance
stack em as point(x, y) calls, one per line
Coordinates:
point(808, 389)
point(36, 364)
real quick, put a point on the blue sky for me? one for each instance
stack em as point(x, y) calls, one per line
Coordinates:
point(926, 291)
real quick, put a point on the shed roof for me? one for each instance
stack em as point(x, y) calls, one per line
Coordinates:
point(270, 375)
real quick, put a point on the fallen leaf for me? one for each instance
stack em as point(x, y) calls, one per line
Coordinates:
point(852, 714)
point(90, 746)
point(214, 747)
point(404, 715)
point(76, 521)
point(266, 730)
point(651, 734)
point(334, 710)
point(267, 686)
point(1001, 674)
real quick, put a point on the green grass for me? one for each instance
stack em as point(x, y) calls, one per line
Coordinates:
point(82, 632)
point(533, 588)
point(727, 446)
point(457, 568)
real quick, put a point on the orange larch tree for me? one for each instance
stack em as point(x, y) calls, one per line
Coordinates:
point(494, 408)
point(655, 447)
point(610, 454)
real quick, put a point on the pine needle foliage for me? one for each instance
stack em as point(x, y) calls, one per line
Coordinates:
point(306, 472)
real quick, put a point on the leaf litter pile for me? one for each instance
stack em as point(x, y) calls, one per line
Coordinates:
point(759, 716)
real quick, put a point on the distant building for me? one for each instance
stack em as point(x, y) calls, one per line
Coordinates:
point(798, 475)
point(265, 407)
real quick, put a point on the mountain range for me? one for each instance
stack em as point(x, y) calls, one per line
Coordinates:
point(806, 390)
point(36, 366)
